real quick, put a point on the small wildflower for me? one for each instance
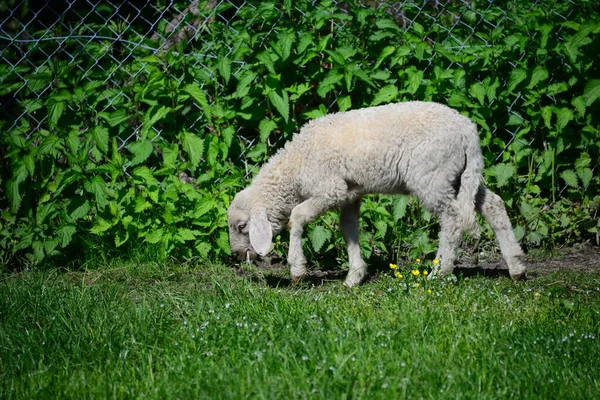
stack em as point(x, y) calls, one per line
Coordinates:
point(425, 272)
point(429, 291)
point(415, 272)
point(418, 260)
point(393, 266)
point(398, 275)
point(436, 261)
point(416, 285)
point(537, 294)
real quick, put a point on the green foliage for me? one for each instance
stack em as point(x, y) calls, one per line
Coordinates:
point(131, 146)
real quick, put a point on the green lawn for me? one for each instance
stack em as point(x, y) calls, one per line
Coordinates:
point(167, 331)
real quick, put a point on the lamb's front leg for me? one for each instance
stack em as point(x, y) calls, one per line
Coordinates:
point(349, 222)
point(302, 214)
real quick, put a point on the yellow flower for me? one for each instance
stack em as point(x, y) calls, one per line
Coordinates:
point(436, 261)
point(425, 272)
point(415, 272)
point(393, 266)
point(429, 291)
point(537, 294)
point(418, 260)
point(398, 275)
point(416, 285)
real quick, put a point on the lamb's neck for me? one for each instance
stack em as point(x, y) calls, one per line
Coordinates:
point(279, 196)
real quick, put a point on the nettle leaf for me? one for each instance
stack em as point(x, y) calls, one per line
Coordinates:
point(97, 187)
point(285, 42)
point(228, 134)
point(570, 178)
point(78, 208)
point(203, 208)
point(152, 116)
point(266, 60)
point(579, 104)
point(194, 147)
point(281, 101)
point(415, 79)
point(243, 86)
point(344, 103)
point(516, 76)
point(155, 236)
point(539, 74)
point(591, 91)
point(121, 237)
point(29, 163)
point(564, 116)
point(385, 53)
point(203, 249)
point(399, 204)
point(65, 234)
point(224, 67)
point(222, 241)
point(100, 136)
point(55, 110)
point(141, 151)
point(318, 237)
point(170, 153)
point(44, 211)
point(50, 145)
point(387, 24)
point(115, 118)
point(212, 152)
point(385, 95)
point(100, 226)
point(198, 94)
point(381, 227)
point(144, 175)
point(547, 116)
point(478, 91)
point(265, 127)
point(503, 172)
point(186, 234)
point(586, 175)
point(327, 84)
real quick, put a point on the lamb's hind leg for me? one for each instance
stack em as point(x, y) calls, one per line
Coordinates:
point(450, 238)
point(349, 223)
point(492, 208)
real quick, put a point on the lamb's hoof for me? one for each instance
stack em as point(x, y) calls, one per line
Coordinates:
point(350, 283)
point(354, 278)
point(296, 279)
point(516, 269)
point(436, 274)
point(298, 272)
point(518, 276)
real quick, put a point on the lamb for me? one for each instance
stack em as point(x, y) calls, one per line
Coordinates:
point(422, 148)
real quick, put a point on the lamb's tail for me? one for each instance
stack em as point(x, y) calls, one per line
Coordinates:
point(470, 181)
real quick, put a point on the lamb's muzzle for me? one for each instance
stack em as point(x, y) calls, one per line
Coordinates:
point(425, 149)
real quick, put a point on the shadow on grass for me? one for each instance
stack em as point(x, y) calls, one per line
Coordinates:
point(275, 274)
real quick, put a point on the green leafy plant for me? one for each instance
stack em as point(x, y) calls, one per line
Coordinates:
point(129, 145)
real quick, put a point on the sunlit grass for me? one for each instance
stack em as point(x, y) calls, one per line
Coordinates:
point(168, 331)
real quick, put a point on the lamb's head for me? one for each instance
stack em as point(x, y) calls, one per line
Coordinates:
point(250, 232)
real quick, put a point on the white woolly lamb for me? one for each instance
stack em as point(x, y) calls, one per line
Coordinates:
point(420, 148)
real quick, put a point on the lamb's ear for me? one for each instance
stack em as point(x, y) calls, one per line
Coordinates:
point(261, 233)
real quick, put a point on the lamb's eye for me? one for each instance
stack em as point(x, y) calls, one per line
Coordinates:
point(241, 227)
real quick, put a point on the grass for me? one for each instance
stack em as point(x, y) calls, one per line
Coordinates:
point(150, 330)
